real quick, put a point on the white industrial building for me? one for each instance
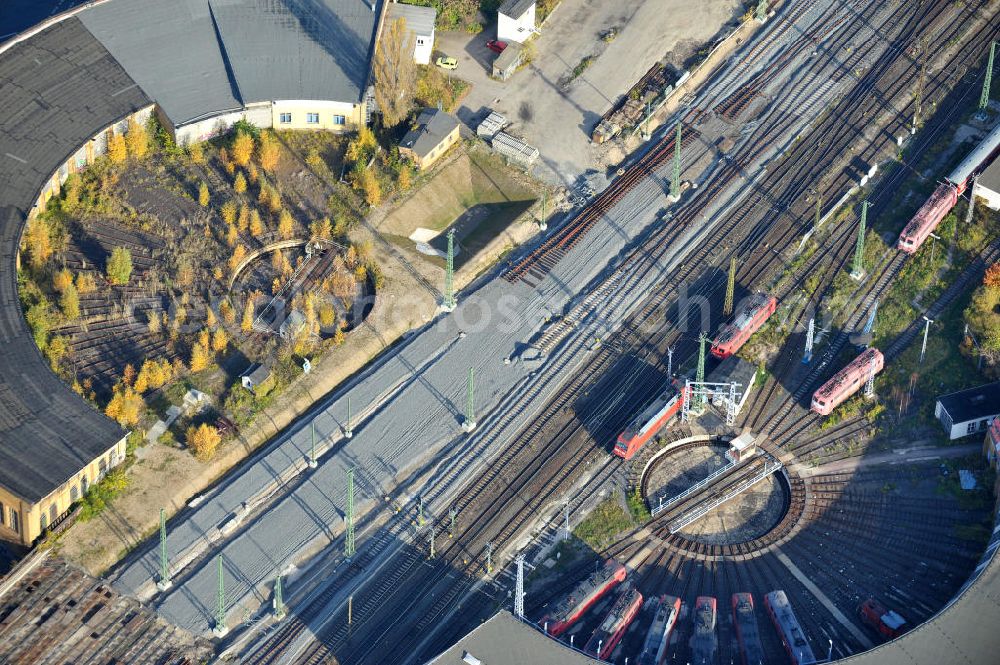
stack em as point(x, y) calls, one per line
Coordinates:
point(420, 21)
point(988, 186)
point(516, 20)
point(970, 411)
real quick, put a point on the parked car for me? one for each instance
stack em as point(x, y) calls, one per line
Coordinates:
point(446, 63)
point(496, 46)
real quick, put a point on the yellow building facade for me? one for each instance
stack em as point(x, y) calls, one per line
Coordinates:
point(24, 521)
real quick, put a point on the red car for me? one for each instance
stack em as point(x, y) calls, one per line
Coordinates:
point(496, 46)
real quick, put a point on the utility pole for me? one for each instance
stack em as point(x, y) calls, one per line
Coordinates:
point(700, 375)
point(542, 223)
point(420, 510)
point(220, 629)
point(519, 589)
point(566, 530)
point(727, 308)
point(452, 513)
point(430, 553)
point(670, 361)
point(448, 303)
point(675, 180)
point(923, 347)
point(312, 446)
point(489, 558)
point(858, 270)
point(984, 99)
point(164, 582)
point(279, 604)
point(349, 517)
point(348, 431)
point(469, 423)
point(972, 199)
point(810, 335)
point(350, 610)
point(762, 11)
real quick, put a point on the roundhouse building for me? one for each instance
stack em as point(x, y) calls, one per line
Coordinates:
point(69, 83)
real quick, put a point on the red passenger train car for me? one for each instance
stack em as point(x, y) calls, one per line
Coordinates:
point(946, 194)
point(747, 321)
point(650, 421)
point(846, 382)
point(607, 636)
point(788, 628)
point(586, 593)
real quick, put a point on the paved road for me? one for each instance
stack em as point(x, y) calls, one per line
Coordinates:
point(901, 456)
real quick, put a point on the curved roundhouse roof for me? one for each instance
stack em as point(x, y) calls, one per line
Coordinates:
point(57, 89)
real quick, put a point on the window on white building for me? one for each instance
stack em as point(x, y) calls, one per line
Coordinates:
point(285, 118)
point(970, 428)
point(339, 120)
point(15, 520)
point(420, 41)
point(312, 118)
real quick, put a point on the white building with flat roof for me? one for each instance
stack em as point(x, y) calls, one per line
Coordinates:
point(420, 22)
point(516, 20)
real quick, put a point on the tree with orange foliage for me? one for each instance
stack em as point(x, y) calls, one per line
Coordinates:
point(992, 276)
point(242, 148)
point(267, 152)
point(203, 440)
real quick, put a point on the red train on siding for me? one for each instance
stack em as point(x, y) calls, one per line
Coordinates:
point(703, 641)
point(650, 421)
point(846, 382)
point(588, 592)
point(946, 194)
point(747, 630)
point(747, 321)
point(887, 622)
point(654, 649)
point(788, 628)
point(607, 636)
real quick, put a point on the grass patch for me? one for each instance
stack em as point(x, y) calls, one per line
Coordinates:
point(637, 507)
point(604, 522)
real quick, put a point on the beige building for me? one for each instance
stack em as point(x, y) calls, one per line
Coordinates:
point(435, 133)
point(25, 516)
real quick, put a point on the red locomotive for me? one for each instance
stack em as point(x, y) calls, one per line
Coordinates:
point(654, 649)
point(846, 382)
point(887, 622)
point(588, 592)
point(703, 641)
point(946, 194)
point(607, 636)
point(747, 631)
point(650, 421)
point(747, 321)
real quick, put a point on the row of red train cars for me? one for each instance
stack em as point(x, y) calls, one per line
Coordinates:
point(666, 610)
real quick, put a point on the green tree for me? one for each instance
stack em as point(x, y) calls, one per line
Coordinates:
point(137, 139)
point(38, 239)
point(395, 73)
point(69, 302)
point(119, 266)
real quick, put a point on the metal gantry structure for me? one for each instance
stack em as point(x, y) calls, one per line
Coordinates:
point(762, 11)
point(923, 346)
point(700, 390)
point(858, 268)
point(519, 589)
point(279, 603)
point(984, 98)
point(700, 374)
point(349, 517)
point(220, 628)
point(727, 308)
point(448, 302)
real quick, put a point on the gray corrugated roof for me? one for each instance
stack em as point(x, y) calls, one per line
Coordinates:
point(503, 640)
point(972, 403)
point(990, 177)
point(298, 49)
point(515, 8)
point(172, 50)
point(418, 19)
point(59, 88)
point(432, 126)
